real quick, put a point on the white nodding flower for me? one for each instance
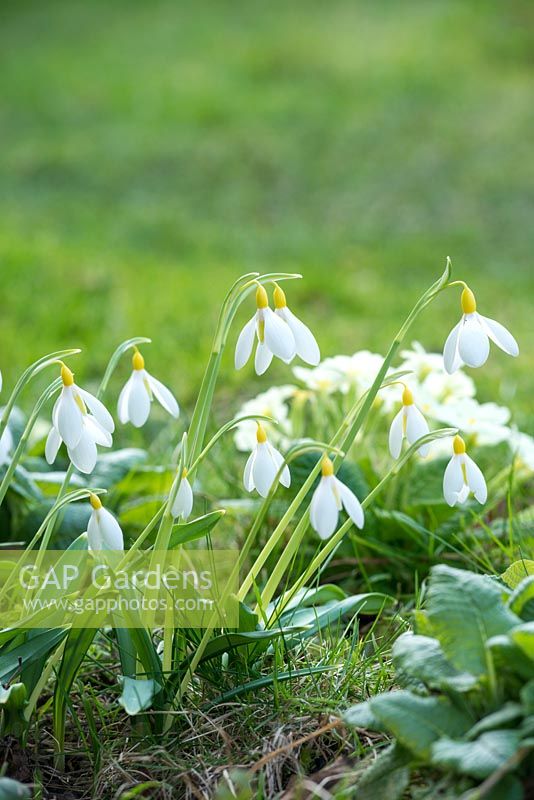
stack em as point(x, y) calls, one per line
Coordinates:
point(263, 465)
point(468, 342)
point(139, 391)
point(305, 343)
point(183, 502)
point(103, 530)
point(275, 337)
point(6, 445)
point(409, 423)
point(328, 499)
point(81, 421)
point(462, 476)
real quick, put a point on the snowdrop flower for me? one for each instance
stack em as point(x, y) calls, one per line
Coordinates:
point(275, 337)
point(328, 499)
point(468, 342)
point(263, 465)
point(306, 345)
point(73, 424)
point(272, 403)
point(183, 502)
point(138, 393)
point(103, 530)
point(6, 445)
point(409, 423)
point(462, 476)
point(484, 422)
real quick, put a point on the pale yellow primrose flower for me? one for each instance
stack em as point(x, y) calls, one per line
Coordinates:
point(73, 424)
point(138, 393)
point(271, 403)
point(409, 423)
point(263, 465)
point(468, 342)
point(103, 530)
point(463, 476)
point(328, 499)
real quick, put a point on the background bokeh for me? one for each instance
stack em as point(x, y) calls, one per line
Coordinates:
point(152, 152)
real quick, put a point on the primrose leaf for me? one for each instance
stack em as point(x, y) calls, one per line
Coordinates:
point(479, 758)
point(421, 658)
point(361, 716)
point(387, 777)
point(417, 722)
point(465, 609)
point(523, 636)
point(517, 571)
point(137, 695)
point(13, 790)
point(521, 602)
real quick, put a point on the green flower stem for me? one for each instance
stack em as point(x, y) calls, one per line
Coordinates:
point(46, 395)
point(344, 438)
point(335, 540)
point(237, 294)
point(29, 373)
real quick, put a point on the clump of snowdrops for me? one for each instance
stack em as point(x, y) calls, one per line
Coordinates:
point(277, 427)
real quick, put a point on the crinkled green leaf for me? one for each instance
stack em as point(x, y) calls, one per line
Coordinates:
point(506, 715)
point(479, 758)
point(421, 658)
point(517, 572)
point(521, 602)
point(523, 636)
point(137, 694)
point(387, 777)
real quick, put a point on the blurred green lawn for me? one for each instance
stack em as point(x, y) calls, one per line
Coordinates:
point(152, 152)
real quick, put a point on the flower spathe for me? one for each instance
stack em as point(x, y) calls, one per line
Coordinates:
point(409, 423)
point(183, 502)
point(103, 530)
point(138, 393)
point(463, 476)
point(328, 499)
point(468, 342)
point(306, 346)
point(73, 424)
point(275, 337)
point(263, 465)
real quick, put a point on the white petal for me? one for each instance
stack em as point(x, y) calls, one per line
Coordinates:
point(69, 418)
point(324, 512)
point(104, 532)
point(97, 433)
point(122, 405)
point(453, 480)
point(451, 358)
point(263, 469)
point(475, 480)
point(53, 443)
point(163, 395)
point(500, 335)
point(396, 434)
point(183, 502)
point(6, 445)
point(263, 358)
point(138, 400)
point(248, 481)
point(83, 456)
point(305, 342)
point(243, 348)
point(278, 336)
point(473, 343)
point(97, 409)
point(285, 476)
point(55, 410)
point(463, 494)
point(416, 426)
point(351, 504)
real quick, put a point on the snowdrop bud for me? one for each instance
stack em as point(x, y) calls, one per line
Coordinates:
point(103, 530)
point(183, 502)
